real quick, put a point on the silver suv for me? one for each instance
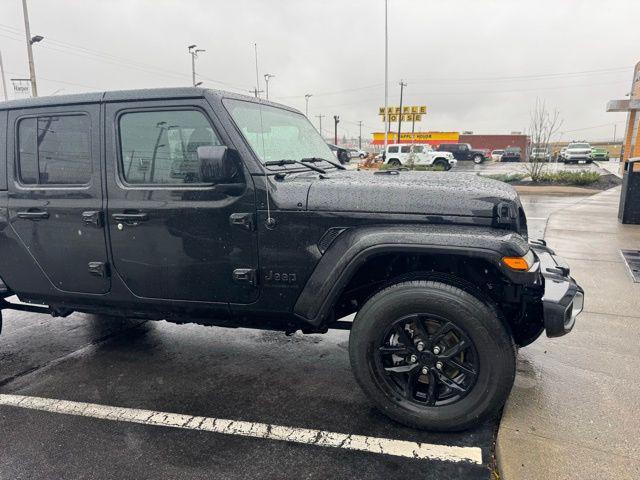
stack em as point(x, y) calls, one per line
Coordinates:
point(577, 153)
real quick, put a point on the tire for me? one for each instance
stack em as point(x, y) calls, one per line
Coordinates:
point(394, 162)
point(343, 157)
point(361, 156)
point(488, 351)
point(478, 159)
point(442, 163)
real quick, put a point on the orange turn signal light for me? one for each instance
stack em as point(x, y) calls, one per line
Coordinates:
point(516, 263)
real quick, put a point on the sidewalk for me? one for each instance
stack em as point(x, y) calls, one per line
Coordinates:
point(574, 410)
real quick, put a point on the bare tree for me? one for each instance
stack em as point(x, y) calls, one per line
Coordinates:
point(544, 125)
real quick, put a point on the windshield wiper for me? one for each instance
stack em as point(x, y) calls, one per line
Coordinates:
point(281, 163)
point(317, 159)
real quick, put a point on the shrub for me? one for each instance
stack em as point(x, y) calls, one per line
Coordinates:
point(418, 168)
point(506, 177)
point(568, 177)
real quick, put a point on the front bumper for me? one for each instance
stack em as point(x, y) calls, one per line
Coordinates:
point(563, 298)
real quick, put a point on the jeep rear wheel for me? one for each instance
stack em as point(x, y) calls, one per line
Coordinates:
point(394, 162)
point(432, 356)
point(442, 164)
point(478, 159)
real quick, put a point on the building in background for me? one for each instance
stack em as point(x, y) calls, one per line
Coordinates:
point(431, 138)
point(496, 142)
point(631, 144)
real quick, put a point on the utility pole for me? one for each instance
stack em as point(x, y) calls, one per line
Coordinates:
point(267, 76)
point(402, 85)
point(336, 121)
point(4, 82)
point(256, 92)
point(614, 125)
point(30, 41)
point(320, 117)
point(360, 135)
point(386, 76)
point(307, 96)
point(193, 51)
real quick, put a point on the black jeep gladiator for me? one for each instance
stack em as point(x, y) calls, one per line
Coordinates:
point(194, 205)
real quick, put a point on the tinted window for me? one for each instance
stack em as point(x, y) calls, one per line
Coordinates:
point(393, 149)
point(54, 150)
point(418, 149)
point(162, 147)
point(405, 149)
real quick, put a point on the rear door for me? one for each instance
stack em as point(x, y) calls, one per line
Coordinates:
point(173, 235)
point(55, 194)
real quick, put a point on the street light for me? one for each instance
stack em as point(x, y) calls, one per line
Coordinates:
point(36, 39)
point(307, 96)
point(267, 76)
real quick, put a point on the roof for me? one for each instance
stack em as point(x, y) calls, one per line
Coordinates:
point(125, 95)
point(624, 105)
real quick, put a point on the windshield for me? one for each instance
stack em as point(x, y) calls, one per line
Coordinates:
point(579, 145)
point(277, 134)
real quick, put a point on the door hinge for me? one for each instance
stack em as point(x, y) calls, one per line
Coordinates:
point(246, 276)
point(92, 217)
point(242, 220)
point(99, 269)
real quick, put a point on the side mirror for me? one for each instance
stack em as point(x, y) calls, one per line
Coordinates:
point(218, 164)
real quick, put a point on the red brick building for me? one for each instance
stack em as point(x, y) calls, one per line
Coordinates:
point(496, 142)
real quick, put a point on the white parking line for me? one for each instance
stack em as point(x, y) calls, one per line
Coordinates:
point(321, 438)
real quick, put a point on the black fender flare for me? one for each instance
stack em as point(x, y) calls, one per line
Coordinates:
point(355, 246)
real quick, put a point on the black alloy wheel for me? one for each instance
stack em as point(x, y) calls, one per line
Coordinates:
point(431, 355)
point(426, 359)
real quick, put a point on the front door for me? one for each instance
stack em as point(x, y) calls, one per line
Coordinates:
point(55, 194)
point(170, 229)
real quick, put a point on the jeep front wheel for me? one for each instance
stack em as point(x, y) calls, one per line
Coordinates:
point(394, 162)
point(432, 356)
point(478, 159)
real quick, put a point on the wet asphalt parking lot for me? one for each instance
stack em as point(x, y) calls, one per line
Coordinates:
point(272, 387)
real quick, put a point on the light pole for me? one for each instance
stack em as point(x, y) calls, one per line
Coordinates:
point(402, 85)
point(267, 76)
point(4, 82)
point(336, 121)
point(307, 96)
point(386, 76)
point(30, 41)
point(193, 51)
point(320, 117)
point(360, 135)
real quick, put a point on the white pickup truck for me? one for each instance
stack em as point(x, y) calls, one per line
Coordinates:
point(418, 154)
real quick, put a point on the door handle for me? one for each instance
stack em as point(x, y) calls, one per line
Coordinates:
point(92, 217)
point(34, 215)
point(130, 217)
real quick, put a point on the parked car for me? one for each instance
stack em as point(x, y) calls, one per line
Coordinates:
point(496, 155)
point(577, 152)
point(401, 154)
point(464, 151)
point(540, 154)
point(228, 210)
point(512, 154)
point(340, 153)
point(600, 154)
point(355, 153)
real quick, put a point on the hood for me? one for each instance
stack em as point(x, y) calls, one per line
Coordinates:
point(425, 193)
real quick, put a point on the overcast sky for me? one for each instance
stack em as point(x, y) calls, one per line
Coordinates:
point(477, 65)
